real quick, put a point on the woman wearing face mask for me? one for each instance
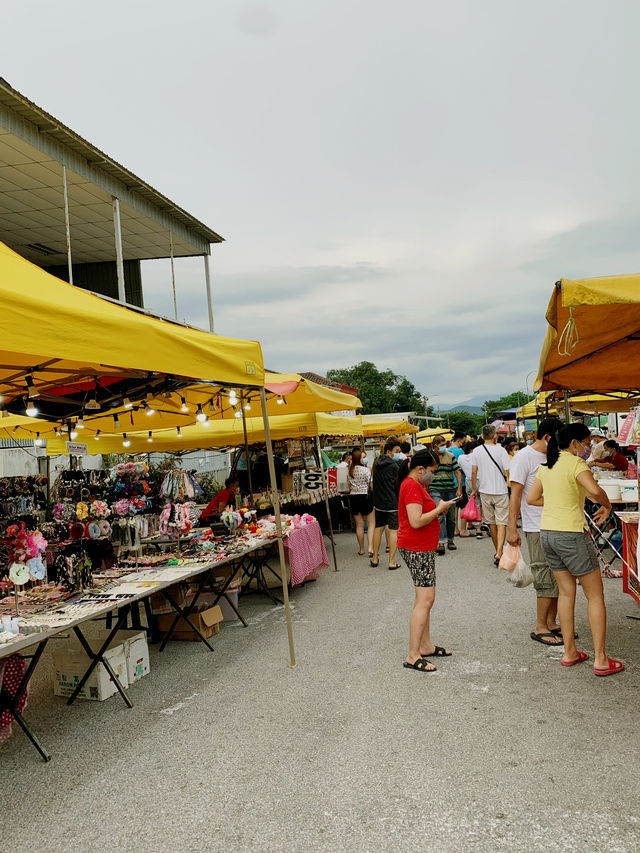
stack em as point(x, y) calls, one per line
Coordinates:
point(359, 477)
point(446, 485)
point(418, 533)
point(560, 489)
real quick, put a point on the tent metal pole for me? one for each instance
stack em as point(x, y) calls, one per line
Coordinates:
point(276, 510)
point(173, 276)
point(325, 487)
point(122, 296)
point(246, 449)
point(67, 225)
point(567, 411)
point(207, 278)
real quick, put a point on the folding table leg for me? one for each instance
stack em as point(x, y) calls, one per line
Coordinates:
point(10, 703)
point(99, 657)
point(184, 613)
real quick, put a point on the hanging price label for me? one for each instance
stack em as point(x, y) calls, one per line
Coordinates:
point(332, 479)
point(312, 480)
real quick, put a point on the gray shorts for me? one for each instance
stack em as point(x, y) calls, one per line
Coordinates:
point(544, 582)
point(569, 552)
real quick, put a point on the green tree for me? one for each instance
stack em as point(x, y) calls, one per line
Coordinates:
point(510, 401)
point(380, 390)
point(464, 422)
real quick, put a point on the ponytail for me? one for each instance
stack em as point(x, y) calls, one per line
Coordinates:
point(424, 457)
point(562, 438)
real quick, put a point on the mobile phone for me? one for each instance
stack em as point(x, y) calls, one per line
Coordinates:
point(453, 500)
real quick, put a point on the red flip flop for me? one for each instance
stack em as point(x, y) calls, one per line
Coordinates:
point(614, 667)
point(582, 657)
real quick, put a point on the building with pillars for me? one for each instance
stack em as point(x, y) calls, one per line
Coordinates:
point(76, 212)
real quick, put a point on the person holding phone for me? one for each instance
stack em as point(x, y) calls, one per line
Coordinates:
point(418, 535)
point(560, 488)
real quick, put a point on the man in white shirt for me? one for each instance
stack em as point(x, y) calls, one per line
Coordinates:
point(489, 469)
point(524, 467)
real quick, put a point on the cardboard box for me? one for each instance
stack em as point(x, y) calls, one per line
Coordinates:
point(207, 621)
point(69, 665)
point(228, 613)
point(287, 483)
point(128, 654)
point(178, 592)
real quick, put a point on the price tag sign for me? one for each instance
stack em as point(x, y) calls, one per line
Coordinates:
point(312, 480)
point(74, 448)
point(332, 478)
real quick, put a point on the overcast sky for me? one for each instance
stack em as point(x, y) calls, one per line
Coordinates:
point(397, 182)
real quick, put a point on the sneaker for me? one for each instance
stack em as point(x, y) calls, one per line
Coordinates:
point(441, 551)
point(452, 546)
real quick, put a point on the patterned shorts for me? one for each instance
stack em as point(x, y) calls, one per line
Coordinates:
point(422, 565)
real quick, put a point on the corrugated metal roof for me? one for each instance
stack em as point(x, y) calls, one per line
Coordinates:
point(52, 127)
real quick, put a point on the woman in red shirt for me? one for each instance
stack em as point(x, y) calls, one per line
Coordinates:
point(418, 535)
point(224, 497)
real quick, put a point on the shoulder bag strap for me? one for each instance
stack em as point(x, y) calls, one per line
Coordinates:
point(494, 462)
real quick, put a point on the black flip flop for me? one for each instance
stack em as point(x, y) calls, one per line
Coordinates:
point(557, 632)
point(538, 638)
point(421, 665)
point(374, 565)
point(391, 568)
point(438, 652)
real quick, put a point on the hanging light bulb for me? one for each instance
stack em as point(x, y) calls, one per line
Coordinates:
point(238, 413)
point(279, 400)
point(116, 422)
point(179, 431)
point(201, 415)
point(96, 437)
point(125, 440)
point(150, 411)
point(57, 432)
point(31, 409)
point(150, 439)
point(93, 405)
point(73, 434)
point(206, 422)
point(79, 424)
point(212, 403)
point(233, 397)
point(247, 406)
point(184, 407)
point(39, 442)
point(127, 403)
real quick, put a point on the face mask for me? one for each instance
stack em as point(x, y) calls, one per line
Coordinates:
point(530, 441)
point(442, 448)
point(428, 477)
point(585, 453)
point(363, 459)
point(398, 457)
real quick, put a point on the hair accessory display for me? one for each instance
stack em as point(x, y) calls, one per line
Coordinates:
point(82, 510)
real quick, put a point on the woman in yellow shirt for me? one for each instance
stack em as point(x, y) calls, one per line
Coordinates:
point(560, 488)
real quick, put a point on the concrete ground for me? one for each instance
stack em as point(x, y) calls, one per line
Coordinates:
point(501, 750)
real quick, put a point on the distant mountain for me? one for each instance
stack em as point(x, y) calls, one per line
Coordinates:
point(463, 407)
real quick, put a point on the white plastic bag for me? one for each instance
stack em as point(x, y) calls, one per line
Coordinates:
point(521, 576)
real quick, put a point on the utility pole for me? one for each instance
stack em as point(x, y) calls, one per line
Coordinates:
point(425, 401)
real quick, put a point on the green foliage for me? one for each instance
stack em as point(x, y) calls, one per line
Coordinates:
point(511, 401)
point(380, 390)
point(464, 422)
point(335, 455)
point(210, 486)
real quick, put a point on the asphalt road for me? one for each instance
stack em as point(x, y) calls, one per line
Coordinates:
point(501, 750)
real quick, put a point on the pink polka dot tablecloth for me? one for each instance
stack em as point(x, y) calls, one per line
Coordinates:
point(11, 671)
point(305, 553)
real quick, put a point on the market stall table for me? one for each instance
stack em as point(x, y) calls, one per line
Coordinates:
point(85, 607)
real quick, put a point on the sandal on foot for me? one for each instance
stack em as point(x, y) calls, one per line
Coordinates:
point(360, 553)
point(614, 667)
point(557, 632)
point(421, 665)
point(582, 657)
point(438, 652)
point(391, 568)
point(538, 638)
point(374, 565)
point(370, 554)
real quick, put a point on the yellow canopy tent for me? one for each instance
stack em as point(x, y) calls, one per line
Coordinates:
point(373, 425)
point(64, 351)
point(594, 404)
point(593, 336)
point(221, 433)
point(289, 393)
point(538, 404)
point(426, 436)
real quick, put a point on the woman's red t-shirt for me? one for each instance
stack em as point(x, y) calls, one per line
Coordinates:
point(212, 508)
point(620, 462)
point(424, 538)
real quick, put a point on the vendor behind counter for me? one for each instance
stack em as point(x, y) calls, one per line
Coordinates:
point(224, 497)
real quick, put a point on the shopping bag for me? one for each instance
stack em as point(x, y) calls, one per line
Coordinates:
point(471, 511)
point(510, 557)
point(521, 576)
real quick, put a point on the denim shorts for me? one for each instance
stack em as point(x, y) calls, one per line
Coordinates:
point(567, 551)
